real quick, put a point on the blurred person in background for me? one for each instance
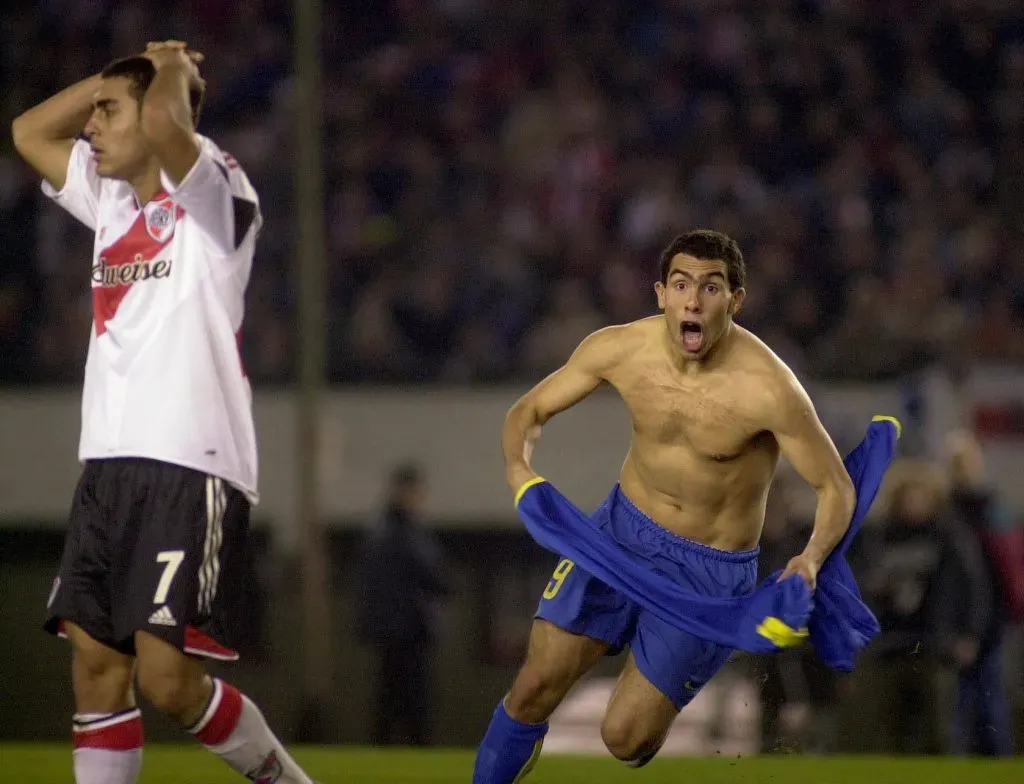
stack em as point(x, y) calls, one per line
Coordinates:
point(926, 581)
point(402, 582)
point(982, 716)
point(154, 563)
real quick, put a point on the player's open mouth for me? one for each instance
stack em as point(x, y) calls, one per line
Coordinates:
point(692, 335)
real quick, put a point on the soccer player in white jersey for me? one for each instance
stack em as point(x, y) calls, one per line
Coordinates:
point(155, 552)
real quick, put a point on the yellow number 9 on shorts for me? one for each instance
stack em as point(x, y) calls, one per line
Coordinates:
point(558, 577)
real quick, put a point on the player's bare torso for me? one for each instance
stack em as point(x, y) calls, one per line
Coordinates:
point(701, 460)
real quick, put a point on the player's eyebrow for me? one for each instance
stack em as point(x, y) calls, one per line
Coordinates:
point(105, 103)
point(706, 276)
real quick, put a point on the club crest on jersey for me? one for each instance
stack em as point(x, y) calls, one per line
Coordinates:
point(160, 220)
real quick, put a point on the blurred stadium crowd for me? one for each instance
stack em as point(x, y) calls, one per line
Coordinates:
point(501, 175)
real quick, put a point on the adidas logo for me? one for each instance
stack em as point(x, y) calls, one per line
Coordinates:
point(163, 617)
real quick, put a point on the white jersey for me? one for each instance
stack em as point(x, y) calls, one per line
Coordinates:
point(164, 377)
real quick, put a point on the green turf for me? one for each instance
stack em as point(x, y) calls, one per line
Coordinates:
point(32, 764)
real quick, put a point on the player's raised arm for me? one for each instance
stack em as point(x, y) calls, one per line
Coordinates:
point(567, 386)
point(167, 116)
point(805, 443)
point(45, 134)
point(205, 183)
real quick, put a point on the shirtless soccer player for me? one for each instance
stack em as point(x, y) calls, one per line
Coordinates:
point(149, 583)
point(712, 410)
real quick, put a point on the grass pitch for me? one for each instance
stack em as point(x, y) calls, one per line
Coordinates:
point(165, 764)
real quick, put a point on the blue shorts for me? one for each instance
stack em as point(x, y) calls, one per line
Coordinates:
point(677, 663)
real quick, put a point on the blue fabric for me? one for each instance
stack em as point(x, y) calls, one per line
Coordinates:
point(767, 620)
point(677, 662)
point(508, 747)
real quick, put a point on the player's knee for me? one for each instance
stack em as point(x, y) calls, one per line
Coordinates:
point(628, 742)
point(536, 692)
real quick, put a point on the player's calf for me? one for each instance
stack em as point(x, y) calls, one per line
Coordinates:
point(219, 716)
point(175, 684)
point(513, 740)
point(107, 727)
point(536, 692)
point(555, 660)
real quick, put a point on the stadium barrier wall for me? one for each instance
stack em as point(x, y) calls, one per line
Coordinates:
point(455, 434)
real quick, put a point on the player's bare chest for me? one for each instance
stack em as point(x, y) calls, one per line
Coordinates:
point(713, 419)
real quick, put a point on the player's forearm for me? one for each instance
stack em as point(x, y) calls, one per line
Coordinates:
point(63, 116)
point(522, 426)
point(165, 107)
point(832, 519)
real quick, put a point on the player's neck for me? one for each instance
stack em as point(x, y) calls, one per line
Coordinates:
point(146, 184)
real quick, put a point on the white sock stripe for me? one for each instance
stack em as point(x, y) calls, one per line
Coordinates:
point(90, 722)
point(215, 698)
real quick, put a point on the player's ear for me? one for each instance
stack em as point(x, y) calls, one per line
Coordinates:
point(737, 301)
point(659, 289)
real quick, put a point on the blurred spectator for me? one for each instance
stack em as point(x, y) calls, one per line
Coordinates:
point(870, 167)
point(982, 718)
point(926, 581)
point(403, 581)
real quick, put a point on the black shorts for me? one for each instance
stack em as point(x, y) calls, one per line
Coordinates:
point(154, 547)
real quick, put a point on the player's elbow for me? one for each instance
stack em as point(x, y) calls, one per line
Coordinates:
point(524, 414)
point(845, 493)
point(21, 134)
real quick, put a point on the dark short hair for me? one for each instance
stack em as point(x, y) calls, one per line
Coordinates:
point(140, 71)
point(711, 246)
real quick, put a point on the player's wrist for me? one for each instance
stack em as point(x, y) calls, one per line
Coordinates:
point(814, 555)
point(518, 474)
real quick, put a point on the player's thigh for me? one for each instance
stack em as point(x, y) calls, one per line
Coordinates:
point(638, 716)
